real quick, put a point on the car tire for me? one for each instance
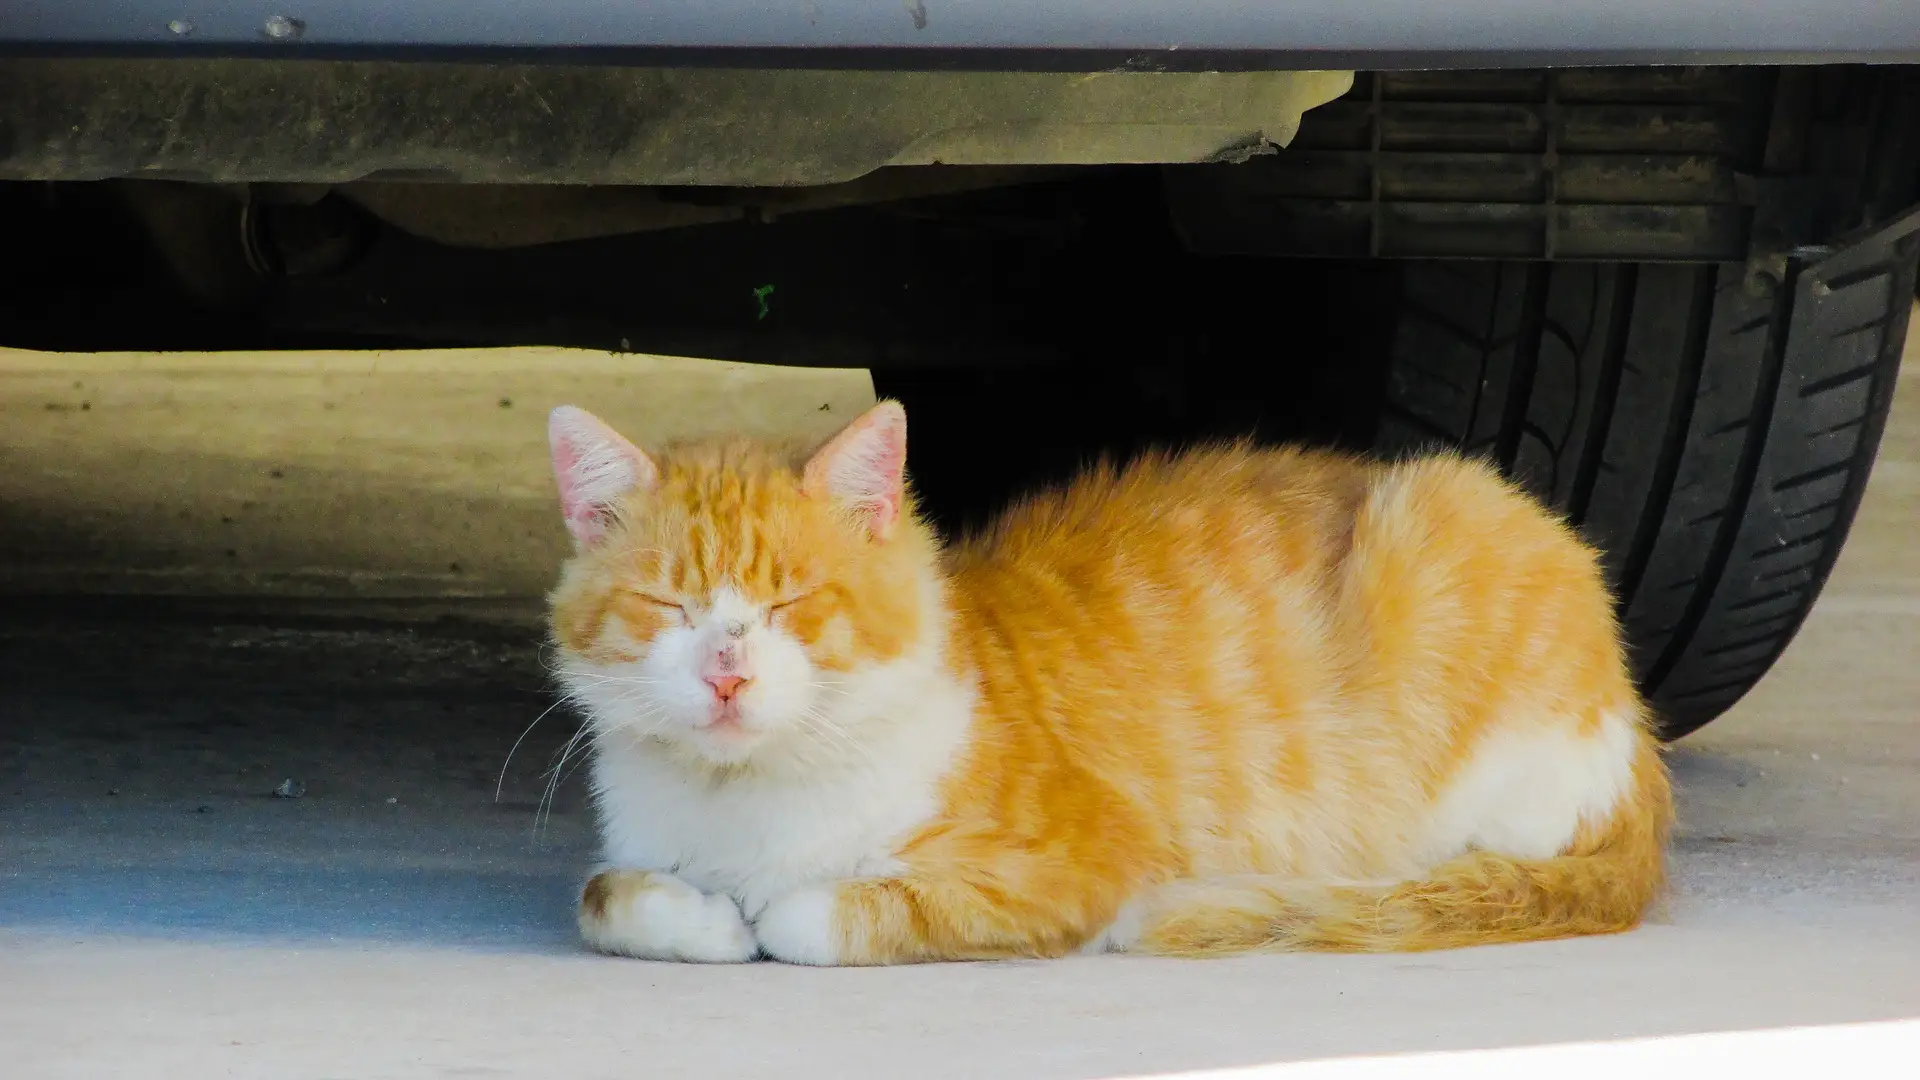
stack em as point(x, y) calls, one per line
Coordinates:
point(1657, 407)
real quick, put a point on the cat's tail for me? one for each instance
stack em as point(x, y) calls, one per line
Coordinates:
point(1603, 884)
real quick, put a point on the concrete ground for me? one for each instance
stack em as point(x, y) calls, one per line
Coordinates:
point(163, 914)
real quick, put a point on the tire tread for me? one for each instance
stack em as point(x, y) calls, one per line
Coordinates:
point(1658, 407)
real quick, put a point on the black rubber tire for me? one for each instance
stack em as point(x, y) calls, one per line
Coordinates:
point(1651, 404)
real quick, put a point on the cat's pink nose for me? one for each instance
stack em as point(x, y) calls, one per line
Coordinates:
point(725, 687)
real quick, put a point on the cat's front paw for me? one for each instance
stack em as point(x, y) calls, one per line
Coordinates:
point(801, 928)
point(659, 917)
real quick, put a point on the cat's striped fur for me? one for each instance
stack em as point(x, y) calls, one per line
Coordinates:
point(1230, 699)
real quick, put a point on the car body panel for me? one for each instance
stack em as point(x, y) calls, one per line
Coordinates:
point(1011, 34)
point(336, 121)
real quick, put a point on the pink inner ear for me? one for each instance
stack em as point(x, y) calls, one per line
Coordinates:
point(592, 466)
point(864, 468)
point(583, 516)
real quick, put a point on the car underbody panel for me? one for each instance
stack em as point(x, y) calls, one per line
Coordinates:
point(998, 34)
point(239, 121)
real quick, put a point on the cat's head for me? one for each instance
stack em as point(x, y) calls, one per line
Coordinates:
point(724, 597)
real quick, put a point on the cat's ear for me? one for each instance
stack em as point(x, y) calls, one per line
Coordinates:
point(593, 466)
point(864, 468)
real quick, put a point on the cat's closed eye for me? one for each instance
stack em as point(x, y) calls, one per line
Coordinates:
point(672, 608)
point(774, 609)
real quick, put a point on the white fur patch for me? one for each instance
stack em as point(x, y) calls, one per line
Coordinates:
point(668, 919)
point(1526, 793)
point(845, 768)
point(1120, 934)
point(799, 928)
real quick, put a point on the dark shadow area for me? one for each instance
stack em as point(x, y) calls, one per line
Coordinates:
point(142, 743)
point(514, 912)
point(1029, 329)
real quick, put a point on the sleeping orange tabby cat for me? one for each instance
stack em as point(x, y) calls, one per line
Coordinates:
point(1226, 700)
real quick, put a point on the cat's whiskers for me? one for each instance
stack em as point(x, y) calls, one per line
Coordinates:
point(582, 739)
point(617, 680)
point(566, 696)
point(812, 716)
point(585, 750)
point(552, 776)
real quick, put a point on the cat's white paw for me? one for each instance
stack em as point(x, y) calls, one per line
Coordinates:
point(799, 928)
point(659, 917)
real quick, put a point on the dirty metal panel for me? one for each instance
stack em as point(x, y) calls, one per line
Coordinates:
point(1573, 164)
point(231, 121)
point(1001, 34)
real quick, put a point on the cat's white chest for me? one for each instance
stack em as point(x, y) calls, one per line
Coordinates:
point(758, 838)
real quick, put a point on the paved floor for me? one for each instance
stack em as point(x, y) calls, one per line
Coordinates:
point(163, 914)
